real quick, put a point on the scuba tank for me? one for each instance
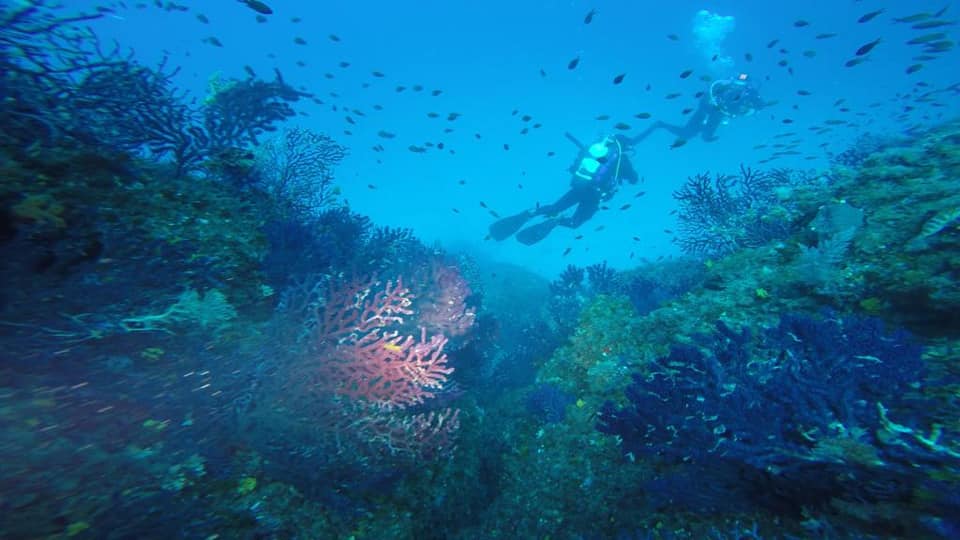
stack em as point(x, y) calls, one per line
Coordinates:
point(601, 165)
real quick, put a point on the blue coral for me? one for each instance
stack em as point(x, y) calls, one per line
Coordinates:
point(799, 408)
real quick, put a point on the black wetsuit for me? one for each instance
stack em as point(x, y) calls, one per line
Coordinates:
point(704, 122)
point(587, 196)
point(584, 193)
point(729, 100)
point(587, 191)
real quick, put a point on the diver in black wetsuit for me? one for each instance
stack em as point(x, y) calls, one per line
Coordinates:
point(597, 174)
point(726, 99)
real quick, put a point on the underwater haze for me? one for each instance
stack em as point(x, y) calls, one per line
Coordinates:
point(487, 58)
point(455, 270)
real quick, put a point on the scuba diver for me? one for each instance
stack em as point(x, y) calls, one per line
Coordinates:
point(726, 99)
point(597, 173)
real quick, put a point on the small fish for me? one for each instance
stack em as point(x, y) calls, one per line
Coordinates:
point(773, 43)
point(578, 237)
point(826, 35)
point(867, 47)
point(589, 17)
point(573, 63)
point(377, 74)
point(334, 37)
point(252, 74)
point(619, 78)
point(939, 46)
point(800, 23)
point(622, 126)
point(416, 149)
point(344, 64)
point(787, 121)
point(602, 117)
point(436, 93)
point(261, 19)
point(803, 93)
point(385, 134)
point(299, 41)
point(926, 38)
point(809, 53)
point(258, 6)
point(371, 186)
point(914, 68)
point(931, 24)
point(639, 194)
point(625, 207)
point(203, 18)
point(673, 37)
point(867, 17)
point(455, 211)
point(748, 57)
point(678, 143)
point(566, 252)
point(213, 41)
point(543, 73)
point(686, 73)
point(673, 95)
point(913, 18)
point(642, 115)
point(506, 146)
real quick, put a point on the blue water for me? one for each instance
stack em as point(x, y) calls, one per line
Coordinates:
point(486, 58)
point(757, 339)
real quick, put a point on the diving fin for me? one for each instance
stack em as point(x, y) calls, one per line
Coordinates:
point(504, 228)
point(535, 233)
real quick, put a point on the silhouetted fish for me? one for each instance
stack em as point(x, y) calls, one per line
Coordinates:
point(257, 6)
point(867, 47)
point(867, 17)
